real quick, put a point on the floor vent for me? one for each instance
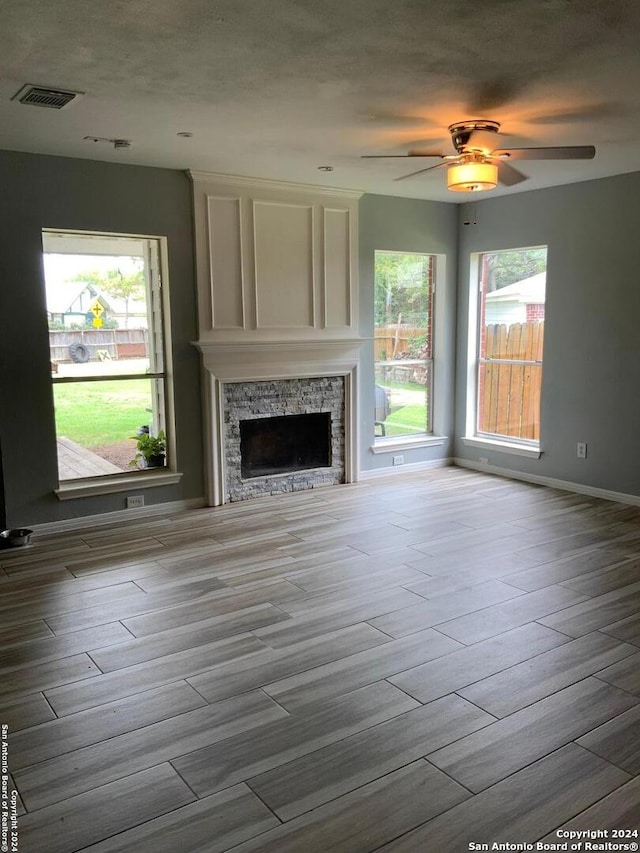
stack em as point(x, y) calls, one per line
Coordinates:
point(43, 96)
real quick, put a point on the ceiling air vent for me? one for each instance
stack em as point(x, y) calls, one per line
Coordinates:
point(44, 96)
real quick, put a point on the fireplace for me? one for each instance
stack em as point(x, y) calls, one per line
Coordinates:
point(286, 443)
point(253, 381)
point(283, 435)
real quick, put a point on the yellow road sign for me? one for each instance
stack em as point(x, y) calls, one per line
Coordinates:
point(97, 309)
point(97, 323)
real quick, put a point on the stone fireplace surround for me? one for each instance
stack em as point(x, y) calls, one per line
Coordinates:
point(327, 369)
point(249, 400)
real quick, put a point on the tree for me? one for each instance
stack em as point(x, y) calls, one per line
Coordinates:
point(402, 283)
point(504, 268)
point(121, 285)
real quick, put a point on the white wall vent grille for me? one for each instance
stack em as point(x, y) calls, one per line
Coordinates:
point(44, 96)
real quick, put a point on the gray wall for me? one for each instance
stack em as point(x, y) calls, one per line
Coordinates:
point(54, 192)
point(592, 348)
point(592, 327)
point(408, 225)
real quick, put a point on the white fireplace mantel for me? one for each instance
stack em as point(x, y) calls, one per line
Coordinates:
point(246, 361)
point(251, 361)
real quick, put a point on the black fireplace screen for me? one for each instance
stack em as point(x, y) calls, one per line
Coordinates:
point(283, 444)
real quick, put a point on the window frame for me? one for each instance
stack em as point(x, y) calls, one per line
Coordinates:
point(474, 437)
point(157, 293)
point(384, 444)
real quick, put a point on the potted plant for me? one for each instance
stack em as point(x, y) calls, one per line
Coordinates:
point(151, 449)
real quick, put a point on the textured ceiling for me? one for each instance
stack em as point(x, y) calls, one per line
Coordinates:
point(276, 88)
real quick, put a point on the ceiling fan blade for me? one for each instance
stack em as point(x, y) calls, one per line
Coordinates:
point(419, 172)
point(413, 153)
point(509, 176)
point(575, 152)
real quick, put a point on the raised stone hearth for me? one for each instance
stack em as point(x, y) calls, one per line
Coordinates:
point(250, 400)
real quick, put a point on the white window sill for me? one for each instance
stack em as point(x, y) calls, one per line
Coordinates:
point(387, 444)
point(531, 451)
point(116, 483)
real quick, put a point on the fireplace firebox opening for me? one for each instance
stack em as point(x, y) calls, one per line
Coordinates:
point(279, 445)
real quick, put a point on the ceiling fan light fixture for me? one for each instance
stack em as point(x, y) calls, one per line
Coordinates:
point(472, 177)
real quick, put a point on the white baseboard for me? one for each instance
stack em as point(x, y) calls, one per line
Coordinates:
point(539, 480)
point(107, 518)
point(172, 507)
point(396, 470)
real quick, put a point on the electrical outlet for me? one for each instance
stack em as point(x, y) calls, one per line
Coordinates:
point(398, 460)
point(134, 501)
point(581, 450)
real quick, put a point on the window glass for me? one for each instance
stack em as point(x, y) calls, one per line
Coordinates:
point(403, 343)
point(106, 350)
point(103, 420)
point(510, 343)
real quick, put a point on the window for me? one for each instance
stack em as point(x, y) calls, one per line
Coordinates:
point(403, 317)
point(510, 343)
point(105, 312)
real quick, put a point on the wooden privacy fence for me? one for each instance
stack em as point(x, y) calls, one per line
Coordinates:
point(394, 341)
point(509, 388)
point(116, 343)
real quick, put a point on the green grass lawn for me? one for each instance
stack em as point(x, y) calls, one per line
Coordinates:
point(408, 407)
point(97, 413)
point(406, 421)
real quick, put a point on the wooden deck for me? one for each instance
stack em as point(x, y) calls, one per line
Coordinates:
point(75, 461)
point(402, 665)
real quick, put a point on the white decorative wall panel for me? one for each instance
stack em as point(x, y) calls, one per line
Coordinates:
point(283, 241)
point(337, 269)
point(275, 261)
point(225, 262)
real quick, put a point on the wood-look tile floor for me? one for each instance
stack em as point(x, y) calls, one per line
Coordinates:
point(407, 664)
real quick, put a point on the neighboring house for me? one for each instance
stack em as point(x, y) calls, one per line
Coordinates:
point(70, 303)
point(521, 302)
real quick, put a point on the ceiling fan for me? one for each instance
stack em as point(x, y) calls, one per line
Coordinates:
point(479, 164)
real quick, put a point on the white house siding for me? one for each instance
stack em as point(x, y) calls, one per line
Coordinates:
point(505, 312)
